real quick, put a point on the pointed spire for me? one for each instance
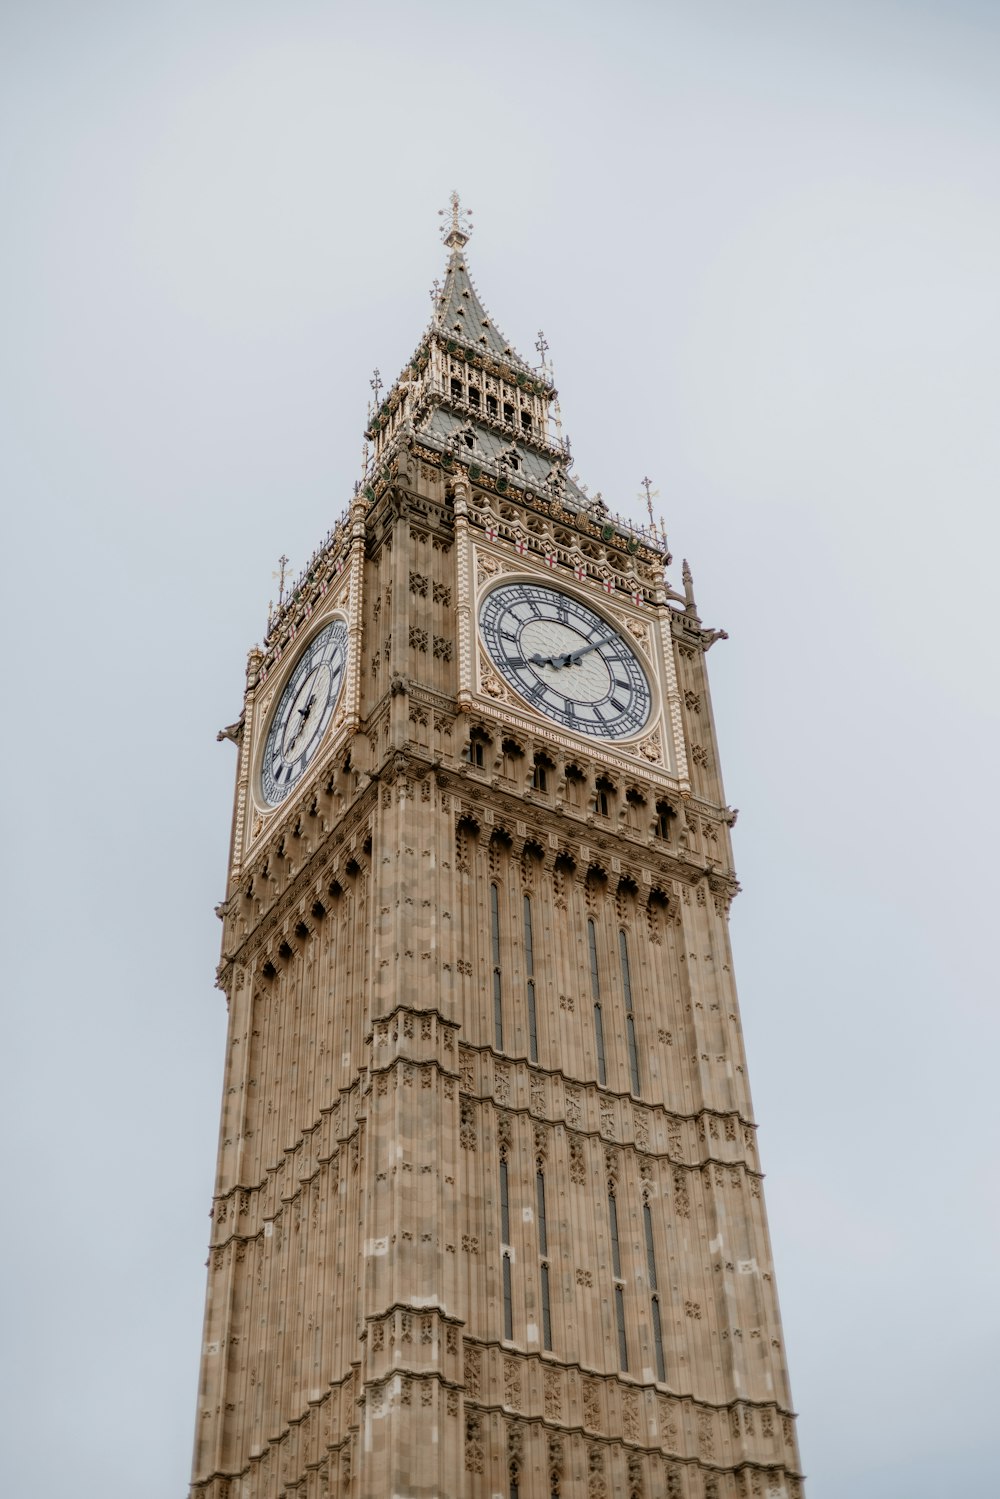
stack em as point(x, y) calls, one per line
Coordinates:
point(458, 310)
point(688, 582)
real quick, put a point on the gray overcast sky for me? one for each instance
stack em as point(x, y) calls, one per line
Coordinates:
point(763, 241)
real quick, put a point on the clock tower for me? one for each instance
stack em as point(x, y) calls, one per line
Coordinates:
point(488, 1215)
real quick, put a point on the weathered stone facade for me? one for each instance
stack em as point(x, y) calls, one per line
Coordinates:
point(488, 1216)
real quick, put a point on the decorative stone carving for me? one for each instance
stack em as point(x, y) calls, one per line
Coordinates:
point(487, 567)
point(473, 1371)
point(512, 1383)
point(651, 748)
point(592, 1404)
point(577, 1168)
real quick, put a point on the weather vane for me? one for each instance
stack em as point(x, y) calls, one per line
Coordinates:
point(652, 494)
point(460, 226)
point(280, 575)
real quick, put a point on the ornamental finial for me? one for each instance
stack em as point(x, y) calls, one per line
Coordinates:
point(279, 577)
point(460, 226)
point(651, 495)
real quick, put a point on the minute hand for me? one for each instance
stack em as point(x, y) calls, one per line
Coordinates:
point(572, 657)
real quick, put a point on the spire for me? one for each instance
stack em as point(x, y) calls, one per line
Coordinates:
point(459, 313)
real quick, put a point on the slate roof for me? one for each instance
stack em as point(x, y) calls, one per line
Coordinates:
point(460, 314)
point(534, 467)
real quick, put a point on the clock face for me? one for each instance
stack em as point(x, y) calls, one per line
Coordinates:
point(304, 710)
point(565, 660)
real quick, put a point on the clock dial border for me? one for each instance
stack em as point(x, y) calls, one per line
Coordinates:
point(282, 705)
point(571, 628)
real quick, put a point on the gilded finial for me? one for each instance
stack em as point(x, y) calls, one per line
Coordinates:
point(460, 225)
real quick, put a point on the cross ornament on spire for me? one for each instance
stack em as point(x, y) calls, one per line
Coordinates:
point(542, 345)
point(460, 226)
point(280, 575)
point(651, 494)
point(376, 384)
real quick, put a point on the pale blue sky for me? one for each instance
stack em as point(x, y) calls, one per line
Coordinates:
point(762, 240)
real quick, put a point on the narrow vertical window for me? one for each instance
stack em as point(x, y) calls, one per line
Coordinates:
point(602, 1069)
point(543, 1251)
point(595, 990)
point(616, 1266)
point(543, 1231)
point(497, 1002)
point(620, 1319)
point(616, 1255)
point(647, 1220)
point(546, 1310)
point(508, 1301)
point(661, 1368)
point(595, 982)
point(633, 1053)
point(529, 968)
point(504, 1205)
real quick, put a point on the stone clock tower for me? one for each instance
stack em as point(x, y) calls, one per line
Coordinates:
point(488, 1216)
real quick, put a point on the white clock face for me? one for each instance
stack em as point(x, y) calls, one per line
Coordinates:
point(304, 710)
point(565, 660)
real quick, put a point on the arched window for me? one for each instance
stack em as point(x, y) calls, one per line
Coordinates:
point(664, 813)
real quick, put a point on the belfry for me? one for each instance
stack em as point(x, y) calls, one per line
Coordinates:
point(488, 1217)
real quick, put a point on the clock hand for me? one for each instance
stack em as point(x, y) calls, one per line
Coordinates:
point(594, 645)
point(303, 716)
point(571, 658)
